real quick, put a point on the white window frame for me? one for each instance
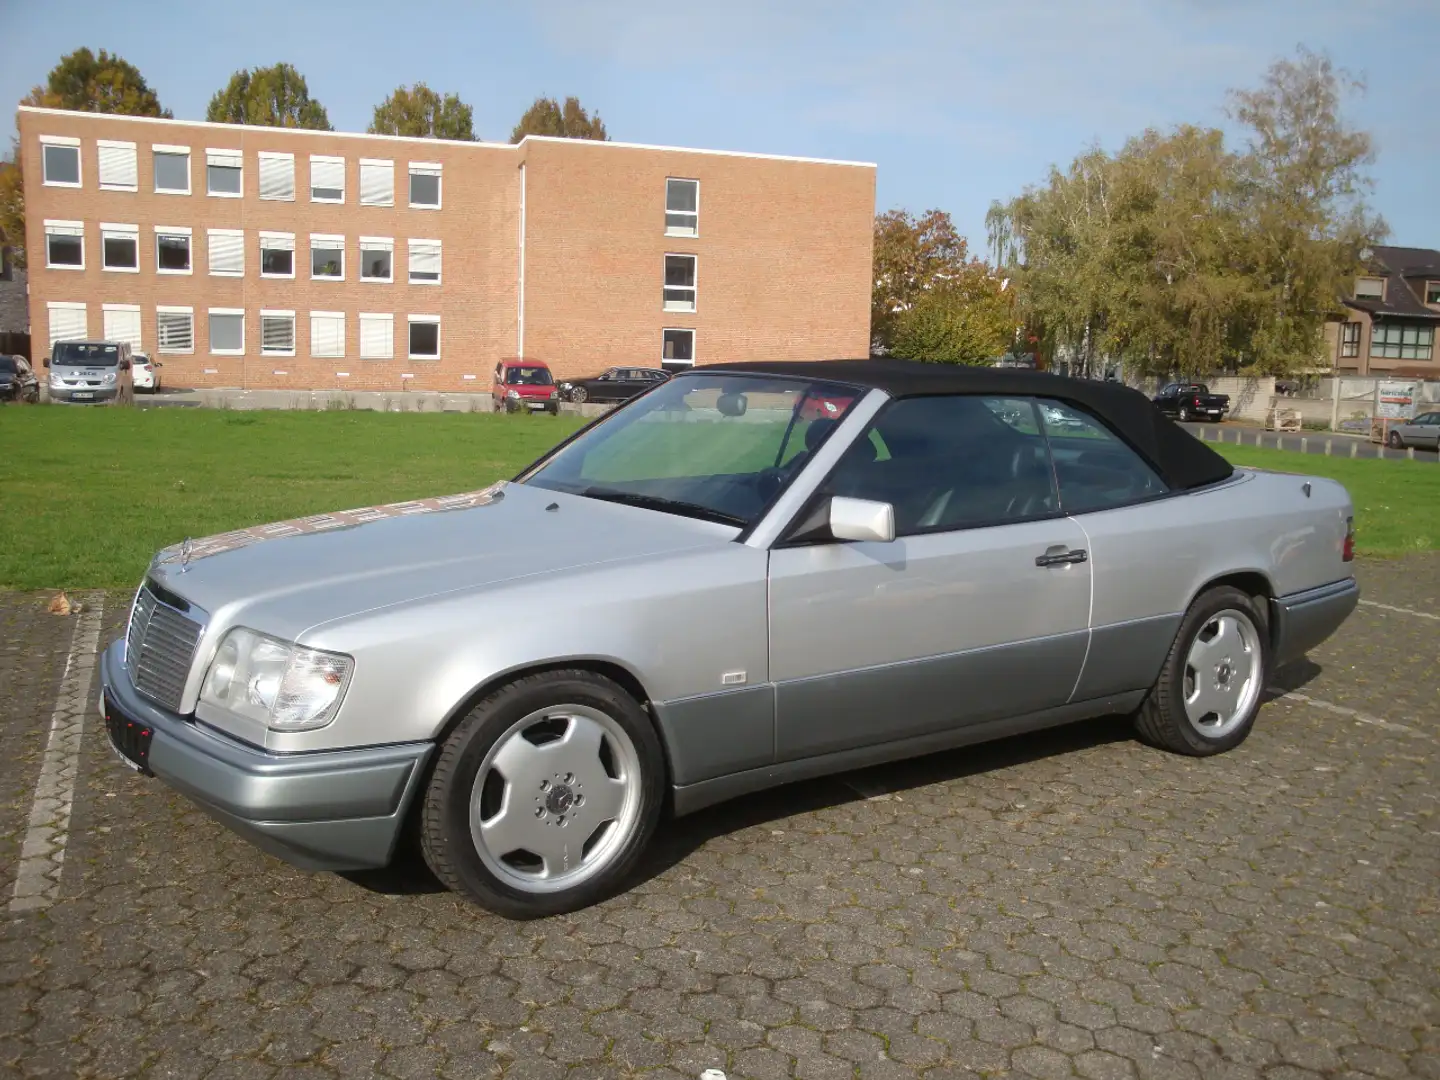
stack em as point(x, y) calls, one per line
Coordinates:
point(62, 140)
point(53, 306)
point(673, 230)
point(378, 243)
point(275, 313)
point(422, 320)
point(167, 309)
point(210, 235)
point(176, 151)
point(174, 230)
point(226, 159)
point(64, 228)
point(667, 305)
point(426, 168)
point(112, 230)
point(425, 245)
point(277, 241)
point(277, 157)
point(330, 242)
point(378, 316)
point(677, 330)
point(116, 144)
point(129, 309)
point(377, 163)
point(327, 159)
point(332, 316)
point(210, 335)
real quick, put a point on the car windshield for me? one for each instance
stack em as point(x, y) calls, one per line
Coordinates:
point(714, 447)
point(7, 366)
point(85, 354)
point(529, 376)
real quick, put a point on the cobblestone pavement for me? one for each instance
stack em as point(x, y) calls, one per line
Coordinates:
point(1071, 904)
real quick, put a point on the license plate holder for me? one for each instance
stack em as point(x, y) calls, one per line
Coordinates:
point(83, 395)
point(130, 739)
point(536, 404)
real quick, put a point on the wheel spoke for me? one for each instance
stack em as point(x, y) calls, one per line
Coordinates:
point(603, 801)
point(560, 848)
point(508, 830)
point(1202, 653)
point(520, 761)
point(1227, 637)
point(578, 750)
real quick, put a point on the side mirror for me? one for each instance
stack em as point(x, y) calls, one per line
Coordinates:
point(45, 360)
point(861, 519)
point(732, 404)
point(124, 365)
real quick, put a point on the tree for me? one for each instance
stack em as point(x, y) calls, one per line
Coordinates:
point(967, 320)
point(912, 256)
point(270, 97)
point(84, 82)
point(570, 121)
point(420, 112)
point(12, 206)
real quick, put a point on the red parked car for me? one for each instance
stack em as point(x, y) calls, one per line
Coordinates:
point(525, 384)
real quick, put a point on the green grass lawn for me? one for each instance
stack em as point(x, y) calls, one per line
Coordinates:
point(88, 495)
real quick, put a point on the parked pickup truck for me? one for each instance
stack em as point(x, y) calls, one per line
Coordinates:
point(1189, 401)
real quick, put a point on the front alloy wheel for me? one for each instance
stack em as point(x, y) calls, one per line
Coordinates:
point(545, 795)
point(1184, 413)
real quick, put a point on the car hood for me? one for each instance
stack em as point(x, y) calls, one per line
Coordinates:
point(286, 577)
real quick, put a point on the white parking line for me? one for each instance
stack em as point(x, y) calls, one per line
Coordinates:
point(1401, 610)
point(1353, 714)
point(42, 856)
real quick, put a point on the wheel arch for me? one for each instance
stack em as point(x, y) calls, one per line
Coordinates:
point(1255, 584)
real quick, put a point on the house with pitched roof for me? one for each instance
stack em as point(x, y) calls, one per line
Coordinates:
point(1391, 317)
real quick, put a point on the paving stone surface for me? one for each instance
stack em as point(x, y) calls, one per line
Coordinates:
point(1071, 904)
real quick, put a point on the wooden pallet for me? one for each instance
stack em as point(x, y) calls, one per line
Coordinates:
point(1283, 420)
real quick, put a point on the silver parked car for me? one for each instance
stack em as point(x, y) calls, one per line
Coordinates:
point(714, 589)
point(90, 372)
point(1424, 430)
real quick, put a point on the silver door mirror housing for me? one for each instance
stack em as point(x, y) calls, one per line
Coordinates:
point(862, 519)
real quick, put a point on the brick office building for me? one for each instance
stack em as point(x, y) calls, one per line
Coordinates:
point(274, 257)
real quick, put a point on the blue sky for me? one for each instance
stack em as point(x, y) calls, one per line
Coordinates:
point(958, 102)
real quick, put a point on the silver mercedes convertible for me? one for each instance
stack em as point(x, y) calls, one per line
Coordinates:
point(748, 575)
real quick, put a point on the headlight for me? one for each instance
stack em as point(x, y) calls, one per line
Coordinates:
point(513, 395)
point(108, 378)
point(280, 684)
point(55, 378)
point(554, 394)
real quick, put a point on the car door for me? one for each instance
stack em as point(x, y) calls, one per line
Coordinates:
point(978, 610)
point(1427, 430)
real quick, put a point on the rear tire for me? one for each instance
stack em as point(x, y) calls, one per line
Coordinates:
point(1213, 680)
point(1184, 414)
point(544, 797)
point(578, 395)
point(1396, 442)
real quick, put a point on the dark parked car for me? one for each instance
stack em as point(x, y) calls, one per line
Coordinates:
point(17, 380)
point(617, 384)
point(1192, 401)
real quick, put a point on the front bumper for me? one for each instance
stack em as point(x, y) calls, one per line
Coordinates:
point(97, 394)
point(1304, 620)
point(332, 810)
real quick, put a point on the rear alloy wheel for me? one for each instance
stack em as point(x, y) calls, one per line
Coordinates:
point(1184, 413)
point(1210, 688)
point(545, 796)
point(1396, 443)
point(578, 395)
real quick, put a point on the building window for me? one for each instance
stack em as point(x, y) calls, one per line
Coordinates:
point(122, 323)
point(377, 182)
point(682, 207)
point(224, 173)
point(424, 185)
point(227, 331)
point(65, 245)
point(424, 262)
point(376, 257)
point(172, 170)
point(67, 321)
point(377, 336)
point(120, 247)
point(327, 333)
point(1350, 339)
point(1369, 288)
point(277, 176)
point(60, 160)
point(1397, 341)
point(1432, 292)
point(677, 346)
point(176, 327)
point(118, 169)
point(172, 249)
point(327, 257)
point(277, 255)
point(327, 179)
point(424, 337)
point(680, 282)
point(277, 333)
point(227, 252)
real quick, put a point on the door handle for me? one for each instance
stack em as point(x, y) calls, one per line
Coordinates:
point(1059, 558)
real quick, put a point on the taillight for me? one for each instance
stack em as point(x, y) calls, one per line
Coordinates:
point(1347, 553)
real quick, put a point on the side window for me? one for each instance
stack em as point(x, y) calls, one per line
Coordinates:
point(1095, 469)
point(951, 462)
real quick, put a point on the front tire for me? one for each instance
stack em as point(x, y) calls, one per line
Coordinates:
point(1396, 442)
point(1211, 685)
point(1184, 414)
point(578, 395)
point(545, 795)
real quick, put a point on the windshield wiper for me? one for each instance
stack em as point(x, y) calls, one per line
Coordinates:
point(668, 506)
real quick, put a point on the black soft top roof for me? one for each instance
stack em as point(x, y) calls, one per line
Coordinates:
point(1182, 460)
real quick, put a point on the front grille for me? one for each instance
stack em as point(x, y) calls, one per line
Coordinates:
point(159, 649)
